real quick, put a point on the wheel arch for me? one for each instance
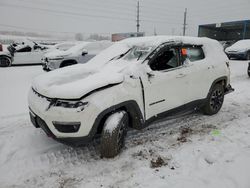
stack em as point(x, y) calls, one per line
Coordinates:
point(136, 119)
point(222, 80)
point(73, 61)
point(7, 56)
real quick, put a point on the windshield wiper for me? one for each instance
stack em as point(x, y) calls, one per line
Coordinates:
point(120, 56)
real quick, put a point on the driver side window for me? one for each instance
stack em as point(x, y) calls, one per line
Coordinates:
point(166, 59)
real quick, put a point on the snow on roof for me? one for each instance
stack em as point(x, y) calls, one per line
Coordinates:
point(123, 46)
point(98, 72)
point(240, 45)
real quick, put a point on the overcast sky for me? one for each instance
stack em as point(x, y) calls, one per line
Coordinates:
point(112, 16)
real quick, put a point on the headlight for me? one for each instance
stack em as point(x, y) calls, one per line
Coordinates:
point(241, 50)
point(71, 104)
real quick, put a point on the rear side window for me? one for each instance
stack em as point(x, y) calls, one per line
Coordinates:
point(192, 53)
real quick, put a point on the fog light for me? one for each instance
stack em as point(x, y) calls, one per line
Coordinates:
point(67, 127)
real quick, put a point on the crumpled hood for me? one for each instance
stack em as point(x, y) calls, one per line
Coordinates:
point(74, 82)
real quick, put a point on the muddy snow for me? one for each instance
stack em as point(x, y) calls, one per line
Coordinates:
point(189, 151)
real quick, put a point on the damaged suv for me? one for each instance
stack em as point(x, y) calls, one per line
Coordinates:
point(129, 85)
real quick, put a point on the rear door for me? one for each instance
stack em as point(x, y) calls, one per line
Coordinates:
point(198, 71)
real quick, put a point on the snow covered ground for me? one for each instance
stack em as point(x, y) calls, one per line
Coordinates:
point(191, 151)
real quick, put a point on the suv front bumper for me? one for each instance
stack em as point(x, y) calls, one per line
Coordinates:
point(71, 141)
point(68, 126)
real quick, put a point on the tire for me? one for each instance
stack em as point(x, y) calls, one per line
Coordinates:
point(214, 101)
point(113, 134)
point(248, 70)
point(46, 69)
point(5, 61)
point(248, 55)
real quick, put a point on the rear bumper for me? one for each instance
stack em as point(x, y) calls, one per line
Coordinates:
point(228, 89)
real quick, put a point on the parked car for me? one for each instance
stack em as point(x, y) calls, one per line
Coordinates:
point(26, 52)
point(239, 50)
point(226, 44)
point(131, 84)
point(78, 53)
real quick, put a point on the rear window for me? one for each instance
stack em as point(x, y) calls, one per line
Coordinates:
point(193, 53)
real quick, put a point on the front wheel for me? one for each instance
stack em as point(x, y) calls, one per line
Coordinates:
point(214, 101)
point(5, 61)
point(113, 134)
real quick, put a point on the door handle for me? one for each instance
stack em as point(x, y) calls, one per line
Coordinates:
point(181, 75)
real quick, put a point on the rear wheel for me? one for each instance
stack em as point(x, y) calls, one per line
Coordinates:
point(248, 55)
point(5, 61)
point(113, 134)
point(214, 101)
point(248, 70)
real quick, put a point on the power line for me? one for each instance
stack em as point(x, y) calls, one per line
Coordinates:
point(84, 15)
point(47, 31)
point(97, 8)
point(66, 12)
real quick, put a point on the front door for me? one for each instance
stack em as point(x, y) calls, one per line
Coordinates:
point(166, 86)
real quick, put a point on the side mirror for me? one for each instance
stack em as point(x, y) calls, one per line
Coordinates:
point(149, 73)
point(84, 53)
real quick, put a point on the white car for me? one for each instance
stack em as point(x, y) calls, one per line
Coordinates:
point(25, 52)
point(131, 84)
point(78, 53)
point(239, 50)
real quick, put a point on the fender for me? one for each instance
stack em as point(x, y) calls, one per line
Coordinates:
point(6, 55)
point(221, 79)
point(68, 60)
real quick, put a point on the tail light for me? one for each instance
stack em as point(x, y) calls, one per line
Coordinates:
point(1, 47)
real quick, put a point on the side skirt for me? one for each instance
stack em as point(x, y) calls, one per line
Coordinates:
point(176, 111)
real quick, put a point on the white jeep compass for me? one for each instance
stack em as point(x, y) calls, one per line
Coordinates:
point(130, 84)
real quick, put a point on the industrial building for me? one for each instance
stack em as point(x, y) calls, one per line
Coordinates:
point(120, 36)
point(227, 31)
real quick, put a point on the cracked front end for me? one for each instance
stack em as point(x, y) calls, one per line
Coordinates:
point(63, 120)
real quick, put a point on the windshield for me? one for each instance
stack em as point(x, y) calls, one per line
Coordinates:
point(64, 46)
point(138, 52)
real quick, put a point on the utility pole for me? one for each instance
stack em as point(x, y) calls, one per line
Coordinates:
point(138, 17)
point(185, 22)
point(155, 33)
